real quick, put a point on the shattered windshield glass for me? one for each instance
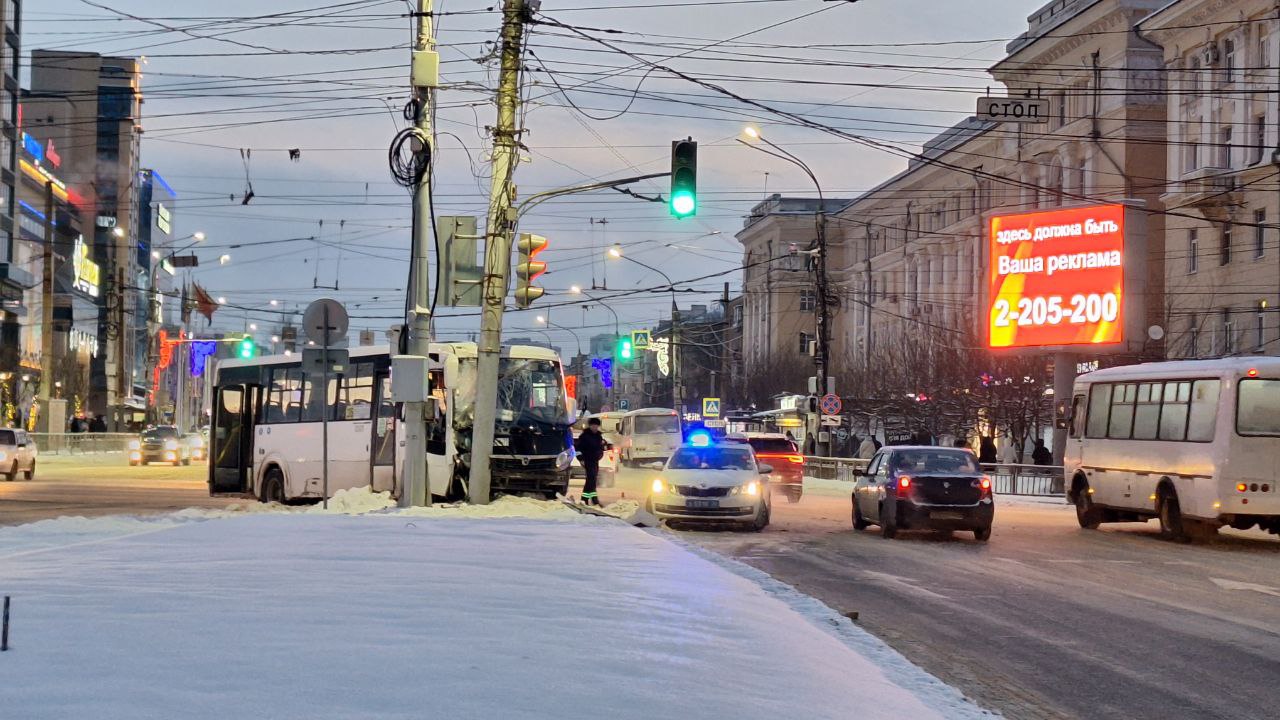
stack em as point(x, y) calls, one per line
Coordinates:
point(528, 389)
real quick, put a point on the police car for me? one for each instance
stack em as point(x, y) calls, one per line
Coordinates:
point(708, 482)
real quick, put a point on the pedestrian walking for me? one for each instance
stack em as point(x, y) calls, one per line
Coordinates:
point(591, 446)
point(987, 451)
point(867, 448)
point(1041, 455)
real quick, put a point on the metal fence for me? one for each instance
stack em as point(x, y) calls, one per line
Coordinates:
point(1006, 479)
point(82, 443)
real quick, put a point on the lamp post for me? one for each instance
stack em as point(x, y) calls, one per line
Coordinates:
point(677, 391)
point(543, 319)
point(577, 290)
point(821, 357)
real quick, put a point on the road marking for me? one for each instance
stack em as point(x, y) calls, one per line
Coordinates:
point(1236, 585)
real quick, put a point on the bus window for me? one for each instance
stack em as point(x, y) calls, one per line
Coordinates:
point(1099, 407)
point(284, 397)
point(1146, 416)
point(1173, 414)
point(1122, 399)
point(1204, 410)
point(1258, 407)
point(1077, 416)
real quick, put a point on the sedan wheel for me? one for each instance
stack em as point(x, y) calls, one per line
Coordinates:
point(859, 522)
point(982, 534)
point(888, 525)
point(762, 518)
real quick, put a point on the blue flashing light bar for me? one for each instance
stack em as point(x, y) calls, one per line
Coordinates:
point(700, 438)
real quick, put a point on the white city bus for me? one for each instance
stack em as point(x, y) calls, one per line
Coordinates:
point(267, 417)
point(649, 434)
point(1194, 443)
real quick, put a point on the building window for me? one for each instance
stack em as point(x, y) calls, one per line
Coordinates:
point(805, 339)
point(1193, 251)
point(1224, 147)
point(737, 316)
point(1062, 109)
point(1263, 56)
point(1224, 256)
point(1261, 337)
point(1228, 333)
point(1259, 233)
point(1193, 335)
point(1259, 138)
point(808, 300)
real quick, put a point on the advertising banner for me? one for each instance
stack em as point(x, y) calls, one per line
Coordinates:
point(1057, 278)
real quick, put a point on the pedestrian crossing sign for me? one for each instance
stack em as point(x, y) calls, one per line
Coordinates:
point(640, 339)
point(711, 407)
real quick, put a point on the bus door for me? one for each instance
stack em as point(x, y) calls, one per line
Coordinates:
point(383, 457)
point(231, 440)
point(440, 434)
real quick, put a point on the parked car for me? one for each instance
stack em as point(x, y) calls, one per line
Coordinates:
point(781, 452)
point(17, 454)
point(707, 482)
point(163, 443)
point(907, 487)
point(196, 446)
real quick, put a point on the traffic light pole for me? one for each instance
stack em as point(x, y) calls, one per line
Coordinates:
point(415, 488)
point(500, 224)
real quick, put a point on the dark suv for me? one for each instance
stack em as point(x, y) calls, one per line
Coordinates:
point(779, 452)
point(924, 487)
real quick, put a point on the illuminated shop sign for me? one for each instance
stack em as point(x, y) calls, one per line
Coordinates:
point(163, 219)
point(87, 273)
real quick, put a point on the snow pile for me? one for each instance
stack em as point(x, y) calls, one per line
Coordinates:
point(317, 616)
point(355, 501)
point(622, 508)
point(507, 506)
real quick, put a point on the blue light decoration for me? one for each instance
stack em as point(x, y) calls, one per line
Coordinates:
point(605, 367)
point(201, 350)
point(700, 438)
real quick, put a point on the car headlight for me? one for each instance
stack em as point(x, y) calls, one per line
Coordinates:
point(659, 486)
point(752, 488)
point(135, 445)
point(3, 455)
point(564, 460)
point(170, 444)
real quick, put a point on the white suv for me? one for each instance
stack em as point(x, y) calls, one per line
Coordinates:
point(17, 454)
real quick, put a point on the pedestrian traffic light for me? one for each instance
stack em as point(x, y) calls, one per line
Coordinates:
point(529, 269)
point(246, 348)
point(624, 351)
point(684, 178)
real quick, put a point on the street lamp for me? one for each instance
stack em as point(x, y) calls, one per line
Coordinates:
point(820, 222)
point(677, 391)
point(577, 290)
point(543, 319)
point(223, 260)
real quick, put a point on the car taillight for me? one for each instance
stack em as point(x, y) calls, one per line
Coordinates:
point(985, 483)
point(797, 459)
point(904, 485)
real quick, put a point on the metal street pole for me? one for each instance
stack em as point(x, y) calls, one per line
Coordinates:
point(497, 257)
point(46, 313)
point(415, 486)
point(677, 390)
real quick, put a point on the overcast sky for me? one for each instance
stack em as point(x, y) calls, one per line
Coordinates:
point(871, 67)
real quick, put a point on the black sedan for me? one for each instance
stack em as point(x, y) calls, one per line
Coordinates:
point(930, 487)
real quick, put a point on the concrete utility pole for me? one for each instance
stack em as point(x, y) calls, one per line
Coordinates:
point(497, 255)
point(46, 313)
point(424, 74)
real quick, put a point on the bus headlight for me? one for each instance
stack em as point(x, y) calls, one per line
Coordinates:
point(564, 460)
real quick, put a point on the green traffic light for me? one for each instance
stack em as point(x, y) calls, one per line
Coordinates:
point(246, 348)
point(683, 204)
point(625, 350)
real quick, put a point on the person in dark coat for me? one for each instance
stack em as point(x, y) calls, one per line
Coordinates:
point(591, 446)
point(987, 451)
point(1041, 455)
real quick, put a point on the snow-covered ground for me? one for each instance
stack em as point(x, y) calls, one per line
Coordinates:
point(521, 609)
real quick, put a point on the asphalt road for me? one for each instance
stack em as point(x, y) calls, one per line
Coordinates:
point(93, 485)
point(1046, 620)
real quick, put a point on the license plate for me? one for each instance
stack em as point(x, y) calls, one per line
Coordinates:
point(946, 515)
point(702, 504)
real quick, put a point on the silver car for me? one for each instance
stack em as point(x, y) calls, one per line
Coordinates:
point(711, 483)
point(17, 454)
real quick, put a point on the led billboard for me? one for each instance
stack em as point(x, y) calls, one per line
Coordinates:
point(1057, 278)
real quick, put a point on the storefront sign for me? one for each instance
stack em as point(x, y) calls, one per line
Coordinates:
point(87, 272)
point(78, 340)
point(661, 348)
point(163, 219)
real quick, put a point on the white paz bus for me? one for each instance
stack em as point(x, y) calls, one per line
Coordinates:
point(1194, 443)
point(267, 417)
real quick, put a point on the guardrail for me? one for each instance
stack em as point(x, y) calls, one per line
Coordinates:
point(1006, 478)
point(81, 443)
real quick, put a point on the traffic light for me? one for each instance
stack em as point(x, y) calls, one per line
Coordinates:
point(529, 269)
point(246, 348)
point(624, 351)
point(684, 178)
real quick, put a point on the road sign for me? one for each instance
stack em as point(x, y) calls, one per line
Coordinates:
point(313, 321)
point(624, 404)
point(713, 423)
point(830, 404)
point(640, 339)
point(1017, 110)
point(711, 407)
point(831, 420)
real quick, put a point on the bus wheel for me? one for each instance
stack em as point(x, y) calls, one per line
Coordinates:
point(273, 487)
point(1087, 514)
point(1171, 523)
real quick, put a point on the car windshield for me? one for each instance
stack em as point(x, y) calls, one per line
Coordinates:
point(935, 461)
point(773, 445)
point(7, 437)
point(661, 424)
point(715, 458)
point(160, 433)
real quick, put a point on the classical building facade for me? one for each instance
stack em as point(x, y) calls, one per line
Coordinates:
point(1223, 255)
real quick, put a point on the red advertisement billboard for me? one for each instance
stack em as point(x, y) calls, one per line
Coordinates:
point(1056, 278)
